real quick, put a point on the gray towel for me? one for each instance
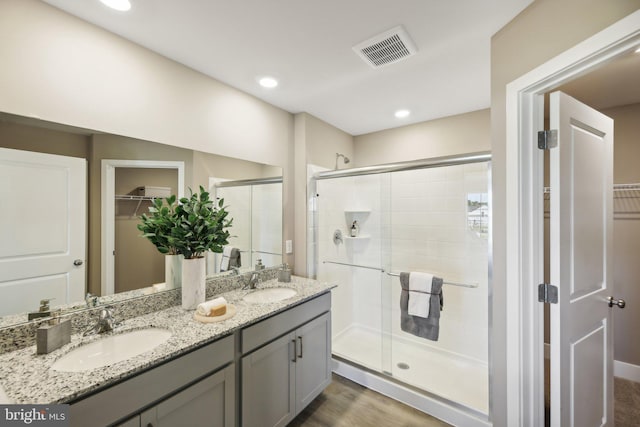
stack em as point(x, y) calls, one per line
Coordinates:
point(234, 258)
point(428, 328)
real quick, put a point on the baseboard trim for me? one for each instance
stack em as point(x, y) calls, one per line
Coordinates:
point(626, 370)
point(623, 370)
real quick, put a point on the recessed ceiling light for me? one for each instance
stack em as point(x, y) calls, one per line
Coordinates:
point(268, 82)
point(401, 114)
point(121, 5)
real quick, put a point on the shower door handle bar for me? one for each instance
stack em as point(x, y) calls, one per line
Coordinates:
point(353, 265)
point(462, 285)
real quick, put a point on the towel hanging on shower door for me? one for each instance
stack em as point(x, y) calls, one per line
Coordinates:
point(230, 258)
point(424, 327)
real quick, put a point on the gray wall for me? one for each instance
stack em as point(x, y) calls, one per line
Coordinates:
point(463, 133)
point(316, 142)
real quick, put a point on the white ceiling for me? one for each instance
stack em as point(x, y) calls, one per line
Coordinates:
point(307, 46)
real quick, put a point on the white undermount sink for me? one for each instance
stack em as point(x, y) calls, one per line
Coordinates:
point(111, 349)
point(268, 295)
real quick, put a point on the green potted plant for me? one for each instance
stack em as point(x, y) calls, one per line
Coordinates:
point(157, 226)
point(200, 226)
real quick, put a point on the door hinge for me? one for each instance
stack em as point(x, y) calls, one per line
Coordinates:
point(547, 293)
point(547, 139)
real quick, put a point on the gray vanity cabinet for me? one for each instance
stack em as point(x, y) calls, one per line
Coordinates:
point(268, 384)
point(313, 360)
point(209, 402)
point(202, 381)
point(283, 370)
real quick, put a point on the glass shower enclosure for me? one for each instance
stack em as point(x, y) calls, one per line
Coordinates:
point(433, 216)
point(256, 208)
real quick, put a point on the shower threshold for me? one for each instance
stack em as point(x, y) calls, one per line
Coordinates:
point(446, 375)
point(434, 405)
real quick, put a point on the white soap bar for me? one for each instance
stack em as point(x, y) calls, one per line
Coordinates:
point(204, 309)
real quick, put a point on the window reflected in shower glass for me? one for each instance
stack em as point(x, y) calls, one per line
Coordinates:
point(478, 213)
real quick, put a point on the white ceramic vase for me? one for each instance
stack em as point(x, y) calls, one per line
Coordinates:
point(173, 271)
point(193, 282)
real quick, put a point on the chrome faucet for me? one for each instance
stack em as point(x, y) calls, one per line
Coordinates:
point(106, 322)
point(253, 281)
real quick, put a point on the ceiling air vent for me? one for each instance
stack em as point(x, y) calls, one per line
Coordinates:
point(386, 48)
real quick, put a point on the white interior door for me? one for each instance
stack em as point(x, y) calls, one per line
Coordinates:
point(581, 177)
point(42, 229)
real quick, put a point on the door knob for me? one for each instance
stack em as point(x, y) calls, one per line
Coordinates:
point(78, 262)
point(619, 302)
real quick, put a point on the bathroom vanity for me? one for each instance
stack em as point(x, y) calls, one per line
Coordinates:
point(258, 368)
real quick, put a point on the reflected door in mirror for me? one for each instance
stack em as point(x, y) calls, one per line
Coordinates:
point(42, 229)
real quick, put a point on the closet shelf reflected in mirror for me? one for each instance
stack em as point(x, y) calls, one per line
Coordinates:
point(139, 200)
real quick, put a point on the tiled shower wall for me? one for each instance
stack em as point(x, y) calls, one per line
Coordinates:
point(430, 233)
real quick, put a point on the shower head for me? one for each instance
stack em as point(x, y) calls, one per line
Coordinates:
point(345, 159)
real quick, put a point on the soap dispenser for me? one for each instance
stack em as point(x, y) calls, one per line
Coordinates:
point(355, 229)
point(53, 335)
point(259, 265)
point(284, 274)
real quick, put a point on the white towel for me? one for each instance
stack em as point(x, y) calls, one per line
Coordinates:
point(226, 255)
point(204, 309)
point(419, 294)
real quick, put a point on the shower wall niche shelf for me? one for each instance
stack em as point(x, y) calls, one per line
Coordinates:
point(363, 237)
point(359, 215)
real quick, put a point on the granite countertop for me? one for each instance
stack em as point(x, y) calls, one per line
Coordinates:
point(27, 379)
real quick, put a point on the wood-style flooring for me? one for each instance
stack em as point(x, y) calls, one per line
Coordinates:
point(347, 404)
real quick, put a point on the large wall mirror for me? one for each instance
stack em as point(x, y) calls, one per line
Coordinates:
point(122, 175)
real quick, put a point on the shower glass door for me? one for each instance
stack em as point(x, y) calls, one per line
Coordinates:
point(439, 224)
point(349, 239)
point(431, 220)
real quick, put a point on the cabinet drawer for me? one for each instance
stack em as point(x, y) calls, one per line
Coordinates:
point(275, 326)
point(129, 396)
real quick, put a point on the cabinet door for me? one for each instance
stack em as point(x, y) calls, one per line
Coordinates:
point(313, 360)
point(209, 402)
point(268, 384)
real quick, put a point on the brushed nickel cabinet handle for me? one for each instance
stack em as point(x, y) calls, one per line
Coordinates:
point(300, 355)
